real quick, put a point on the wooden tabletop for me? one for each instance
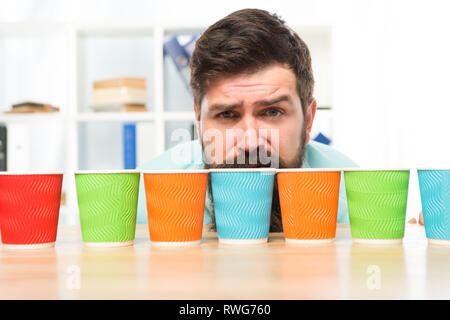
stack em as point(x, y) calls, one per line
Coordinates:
point(276, 270)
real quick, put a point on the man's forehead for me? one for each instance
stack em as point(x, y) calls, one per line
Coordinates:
point(272, 81)
point(242, 87)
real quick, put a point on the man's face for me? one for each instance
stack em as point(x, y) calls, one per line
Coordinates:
point(254, 114)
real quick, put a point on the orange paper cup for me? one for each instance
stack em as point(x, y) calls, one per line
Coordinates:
point(309, 204)
point(175, 205)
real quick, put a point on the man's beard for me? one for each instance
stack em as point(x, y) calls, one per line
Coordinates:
point(275, 216)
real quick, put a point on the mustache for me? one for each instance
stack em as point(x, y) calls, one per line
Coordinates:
point(249, 159)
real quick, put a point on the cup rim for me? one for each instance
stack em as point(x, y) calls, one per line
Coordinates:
point(174, 171)
point(309, 170)
point(433, 169)
point(28, 173)
point(375, 169)
point(243, 170)
point(107, 171)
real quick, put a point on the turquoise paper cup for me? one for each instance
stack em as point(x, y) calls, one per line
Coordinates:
point(242, 204)
point(434, 187)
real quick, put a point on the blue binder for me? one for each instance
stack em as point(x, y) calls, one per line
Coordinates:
point(322, 139)
point(129, 146)
point(181, 55)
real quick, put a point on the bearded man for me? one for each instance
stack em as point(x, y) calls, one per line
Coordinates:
point(252, 84)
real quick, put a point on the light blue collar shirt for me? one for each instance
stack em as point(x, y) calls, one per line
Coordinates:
point(188, 155)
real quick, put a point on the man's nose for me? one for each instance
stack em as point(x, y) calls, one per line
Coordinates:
point(250, 133)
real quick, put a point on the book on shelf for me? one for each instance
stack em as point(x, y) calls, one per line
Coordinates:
point(32, 107)
point(120, 91)
point(121, 94)
point(119, 107)
point(121, 82)
point(3, 148)
point(126, 99)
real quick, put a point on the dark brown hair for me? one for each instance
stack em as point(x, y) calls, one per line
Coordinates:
point(245, 42)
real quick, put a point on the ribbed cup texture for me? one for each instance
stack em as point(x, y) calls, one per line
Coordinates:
point(242, 204)
point(29, 208)
point(108, 206)
point(175, 205)
point(309, 204)
point(377, 203)
point(435, 195)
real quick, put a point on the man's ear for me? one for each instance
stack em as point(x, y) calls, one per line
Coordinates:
point(310, 114)
point(196, 111)
point(197, 119)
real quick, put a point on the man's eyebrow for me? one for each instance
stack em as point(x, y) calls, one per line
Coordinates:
point(272, 101)
point(224, 107)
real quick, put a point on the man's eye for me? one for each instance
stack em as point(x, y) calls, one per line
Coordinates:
point(227, 115)
point(272, 113)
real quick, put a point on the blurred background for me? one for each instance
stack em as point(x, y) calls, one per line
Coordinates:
point(381, 70)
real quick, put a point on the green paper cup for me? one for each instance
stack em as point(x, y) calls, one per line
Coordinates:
point(377, 204)
point(107, 202)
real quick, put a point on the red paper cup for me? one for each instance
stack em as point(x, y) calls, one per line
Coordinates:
point(29, 209)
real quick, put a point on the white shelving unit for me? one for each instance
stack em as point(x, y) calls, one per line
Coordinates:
point(79, 38)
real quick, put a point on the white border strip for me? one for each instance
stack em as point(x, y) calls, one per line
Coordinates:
point(242, 241)
point(439, 242)
point(378, 241)
point(108, 244)
point(309, 241)
point(376, 169)
point(29, 173)
point(29, 246)
point(309, 170)
point(176, 171)
point(174, 243)
point(244, 170)
point(106, 171)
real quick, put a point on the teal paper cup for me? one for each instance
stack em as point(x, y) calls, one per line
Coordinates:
point(434, 187)
point(242, 204)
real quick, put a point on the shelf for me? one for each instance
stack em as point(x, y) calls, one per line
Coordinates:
point(179, 116)
point(115, 117)
point(134, 116)
point(100, 117)
point(31, 117)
